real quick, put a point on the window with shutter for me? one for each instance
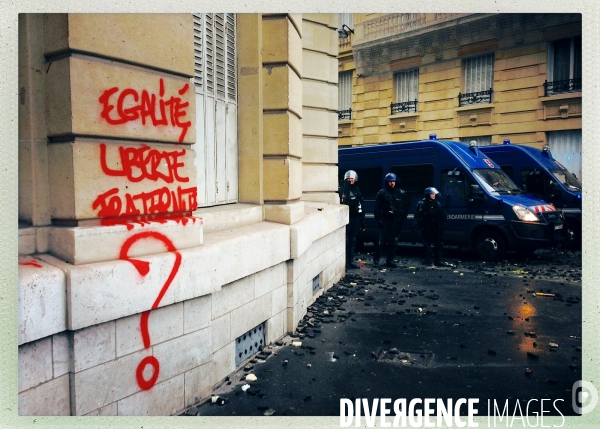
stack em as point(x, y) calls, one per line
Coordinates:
point(346, 18)
point(480, 140)
point(215, 80)
point(479, 80)
point(564, 66)
point(345, 95)
point(406, 85)
point(566, 149)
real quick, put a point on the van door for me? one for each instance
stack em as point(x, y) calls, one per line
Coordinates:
point(542, 185)
point(461, 212)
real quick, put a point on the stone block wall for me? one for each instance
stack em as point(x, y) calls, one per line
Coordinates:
point(130, 299)
point(83, 353)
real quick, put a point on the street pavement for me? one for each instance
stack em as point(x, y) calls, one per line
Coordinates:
point(470, 329)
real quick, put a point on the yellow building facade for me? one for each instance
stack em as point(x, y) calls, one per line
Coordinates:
point(177, 201)
point(487, 77)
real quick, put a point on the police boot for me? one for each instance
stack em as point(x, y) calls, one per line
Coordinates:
point(391, 252)
point(350, 255)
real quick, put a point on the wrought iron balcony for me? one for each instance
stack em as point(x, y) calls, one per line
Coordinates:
point(481, 97)
point(403, 107)
point(344, 114)
point(562, 86)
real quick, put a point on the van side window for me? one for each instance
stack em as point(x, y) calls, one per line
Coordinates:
point(536, 181)
point(414, 178)
point(509, 170)
point(369, 180)
point(453, 182)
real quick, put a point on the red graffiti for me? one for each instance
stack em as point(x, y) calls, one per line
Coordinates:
point(161, 200)
point(147, 220)
point(31, 264)
point(131, 106)
point(142, 163)
point(143, 267)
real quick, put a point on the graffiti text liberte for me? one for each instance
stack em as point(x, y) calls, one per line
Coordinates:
point(145, 164)
point(143, 105)
point(139, 163)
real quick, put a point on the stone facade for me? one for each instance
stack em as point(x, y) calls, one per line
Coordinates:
point(130, 298)
point(437, 44)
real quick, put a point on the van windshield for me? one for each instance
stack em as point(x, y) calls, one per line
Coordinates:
point(495, 181)
point(567, 179)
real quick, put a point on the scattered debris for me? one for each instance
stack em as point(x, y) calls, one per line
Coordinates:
point(219, 400)
point(251, 377)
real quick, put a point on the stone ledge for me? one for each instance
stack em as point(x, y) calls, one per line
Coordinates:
point(105, 291)
point(80, 245)
point(229, 216)
point(320, 220)
point(42, 302)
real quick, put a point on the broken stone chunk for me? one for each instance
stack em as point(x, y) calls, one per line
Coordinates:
point(218, 400)
point(251, 377)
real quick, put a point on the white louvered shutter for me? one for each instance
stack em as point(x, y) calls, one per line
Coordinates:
point(215, 82)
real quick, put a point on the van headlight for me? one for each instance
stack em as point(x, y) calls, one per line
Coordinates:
point(524, 214)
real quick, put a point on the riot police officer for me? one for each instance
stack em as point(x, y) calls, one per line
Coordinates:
point(350, 195)
point(429, 225)
point(390, 212)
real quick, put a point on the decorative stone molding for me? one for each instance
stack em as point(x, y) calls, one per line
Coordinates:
point(562, 106)
point(345, 128)
point(404, 122)
point(472, 116)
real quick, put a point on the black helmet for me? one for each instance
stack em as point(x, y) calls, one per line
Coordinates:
point(391, 177)
point(431, 190)
point(351, 174)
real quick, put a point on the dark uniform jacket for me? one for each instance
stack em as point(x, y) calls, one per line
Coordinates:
point(390, 205)
point(430, 215)
point(351, 196)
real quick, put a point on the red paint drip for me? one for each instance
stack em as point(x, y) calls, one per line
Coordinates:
point(147, 220)
point(31, 264)
point(143, 267)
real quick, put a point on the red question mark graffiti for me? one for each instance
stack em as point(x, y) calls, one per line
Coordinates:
point(143, 268)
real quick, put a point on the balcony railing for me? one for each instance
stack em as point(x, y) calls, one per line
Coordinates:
point(403, 107)
point(391, 24)
point(344, 114)
point(345, 43)
point(562, 86)
point(481, 97)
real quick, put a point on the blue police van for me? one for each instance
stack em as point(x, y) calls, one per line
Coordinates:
point(539, 174)
point(486, 211)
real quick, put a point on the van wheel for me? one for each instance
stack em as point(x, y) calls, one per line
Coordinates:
point(490, 246)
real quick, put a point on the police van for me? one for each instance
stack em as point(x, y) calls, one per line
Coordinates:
point(486, 211)
point(539, 174)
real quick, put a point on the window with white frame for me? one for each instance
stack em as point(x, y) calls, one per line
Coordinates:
point(480, 140)
point(565, 147)
point(215, 84)
point(406, 91)
point(564, 66)
point(345, 95)
point(346, 18)
point(478, 84)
